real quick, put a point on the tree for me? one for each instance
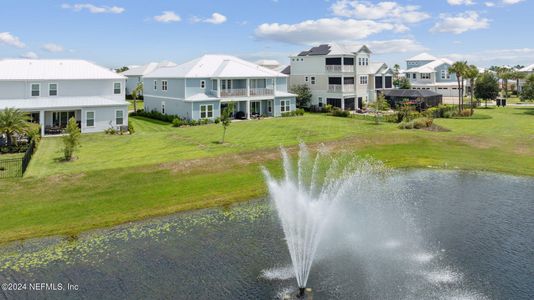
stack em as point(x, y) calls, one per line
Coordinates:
point(487, 87)
point(516, 75)
point(303, 93)
point(527, 93)
point(380, 105)
point(226, 118)
point(505, 74)
point(396, 73)
point(122, 69)
point(459, 69)
point(13, 121)
point(135, 94)
point(403, 83)
point(471, 73)
point(71, 139)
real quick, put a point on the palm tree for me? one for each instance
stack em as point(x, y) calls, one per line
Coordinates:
point(471, 73)
point(516, 75)
point(13, 121)
point(459, 69)
point(504, 74)
point(135, 94)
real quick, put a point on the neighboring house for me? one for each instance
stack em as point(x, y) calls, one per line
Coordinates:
point(201, 88)
point(271, 64)
point(135, 75)
point(339, 76)
point(427, 72)
point(53, 91)
point(527, 71)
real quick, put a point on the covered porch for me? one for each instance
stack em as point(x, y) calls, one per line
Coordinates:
point(54, 122)
point(251, 109)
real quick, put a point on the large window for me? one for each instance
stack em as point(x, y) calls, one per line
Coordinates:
point(313, 80)
point(203, 84)
point(90, 119)
point(445, 74)
point(117, 88)
point(164, 85)
point(52, 89)
point(36, 90)
point(285, 105)
point(119, 117)
point(206, 111)
point(425, 75)
point(363, 79)
point(155, 85)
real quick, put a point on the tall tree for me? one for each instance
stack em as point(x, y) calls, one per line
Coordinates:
point(459, 68)
point(71, 139)
point(135, 94)
point(487, 87)
point(527, 93)
point(13, 121)
point(505, 74)
point(380, 105)
point(517, 76)
point(226, 118)
point(303, 93)
point(396, 73)
point(471, 73)
point(403, 83)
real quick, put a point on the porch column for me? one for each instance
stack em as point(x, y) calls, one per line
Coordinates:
point(218, 88)
point(342, 103)
point(383, 81)
point(248, 109)
point(248, 87)
point(42, 122)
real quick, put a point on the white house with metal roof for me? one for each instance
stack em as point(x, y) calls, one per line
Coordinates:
point(53, 91)
point(135, 75)
point(427, 72)
point(339, 75)
point(528, 70)
point(201, 88)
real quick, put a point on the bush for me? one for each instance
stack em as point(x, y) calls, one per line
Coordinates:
point(131, 128)
point(288, 114)
point(340, 113)
point(177, 122)
point(217, 120)
point(441, 111)
point(328, 108)
point(465, 113)
point(111, 131)
point(418, 123)
point(299, 112)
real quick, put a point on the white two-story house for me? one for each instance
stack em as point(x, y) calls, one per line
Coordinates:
point(427, 72)
point(53, 91)
point(201, 88)
point(340, 76)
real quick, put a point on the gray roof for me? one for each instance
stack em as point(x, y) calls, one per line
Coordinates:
point(410, 93)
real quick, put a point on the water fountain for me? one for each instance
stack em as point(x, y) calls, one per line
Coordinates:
point(304, 199)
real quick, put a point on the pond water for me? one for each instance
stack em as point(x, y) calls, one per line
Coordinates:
point(472, 237)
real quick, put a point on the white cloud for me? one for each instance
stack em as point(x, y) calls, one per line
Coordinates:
point(395, 46)
point(7, 38)
point(386, 10)
point(489, 4)
point(497, 56)
point(511, 2)
point(216, 18)
point(168, 17)
point(460, 23)
point(461, 2)
point(94, 9)
point(54, 48)
point(502, 3)
point(324, 30)
point(29, 55)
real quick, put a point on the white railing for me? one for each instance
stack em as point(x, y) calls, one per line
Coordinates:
point(339, 69)
point(261, 92)
point(338, 88)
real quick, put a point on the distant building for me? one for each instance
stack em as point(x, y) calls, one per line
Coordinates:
point(271, 64)
point(427, 72)
point(341, 76)
point(529, 70)
point(135, 75)
point(53, 91)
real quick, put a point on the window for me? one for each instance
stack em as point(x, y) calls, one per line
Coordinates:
point(363, 79)
point(306, 78)
point(425, 75)
point(155, 85)
point(359, 61)
point(90, 119)
point(52, 89)
point(445, 74)
point(119, 117)
point(164, 85)
point(206, 111)
point(269, 106)
point(285, 106)
point(36, 89)
point(117, 88)
point(313, 80)
point(214, 84)
point(163, 107)
point(203, 84)
point(414, 76)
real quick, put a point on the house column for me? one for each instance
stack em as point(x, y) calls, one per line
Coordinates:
point(248, 87)
point(383, 81)
point(248, 109)
point(42, 122)
point(218, 88)
point(342, 103)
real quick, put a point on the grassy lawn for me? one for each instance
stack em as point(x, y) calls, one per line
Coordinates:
point(131, 106)
point(8, 167)
point(161, 169)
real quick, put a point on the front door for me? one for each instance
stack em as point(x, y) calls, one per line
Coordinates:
point(360, 102)
point(255, 108)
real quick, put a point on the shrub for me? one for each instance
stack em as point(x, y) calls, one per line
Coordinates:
point(441, 111)
point(177, 122)
point(288, 114)
point(418, 123)
point(328, 108)
point(72, 139)
point(299, 112)
point(131, 128)
point(465, 113)
point(217, 121)
point(340, 113)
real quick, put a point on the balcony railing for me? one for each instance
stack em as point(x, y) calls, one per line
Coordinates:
point(339, 68)
point(338, 88)
point(243, 92)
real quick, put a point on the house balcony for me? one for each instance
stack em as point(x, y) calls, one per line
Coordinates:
point(339, 69)
point(253, 92)
point(338, 88)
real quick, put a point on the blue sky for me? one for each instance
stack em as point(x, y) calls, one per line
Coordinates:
point(115, 33)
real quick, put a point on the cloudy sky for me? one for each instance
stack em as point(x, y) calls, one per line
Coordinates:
point(115, 33)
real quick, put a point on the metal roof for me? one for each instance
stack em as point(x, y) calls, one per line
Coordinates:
point(422, 56)
point(53, 69)
point(60, 102)
point(215, 66)
point(148, 68)
point(528, 68)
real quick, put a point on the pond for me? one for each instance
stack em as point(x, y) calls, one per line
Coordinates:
point(472, 238)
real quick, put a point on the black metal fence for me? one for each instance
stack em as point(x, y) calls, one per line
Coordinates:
point(15, 167)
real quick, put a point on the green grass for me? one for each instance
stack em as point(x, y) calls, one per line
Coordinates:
point(161, 170)
point(131, 106)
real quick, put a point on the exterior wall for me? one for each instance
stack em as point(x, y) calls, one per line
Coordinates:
point(66, 88)
point(193, 86)
point(276, 109)
point(446, 68)
point(416, 63)
point(104, 118)
point(172, 106)
point(216, 108)
point(175, 87)
point(131, 83)
point(281, 84)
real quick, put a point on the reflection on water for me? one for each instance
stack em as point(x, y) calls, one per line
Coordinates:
point(476, 234)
